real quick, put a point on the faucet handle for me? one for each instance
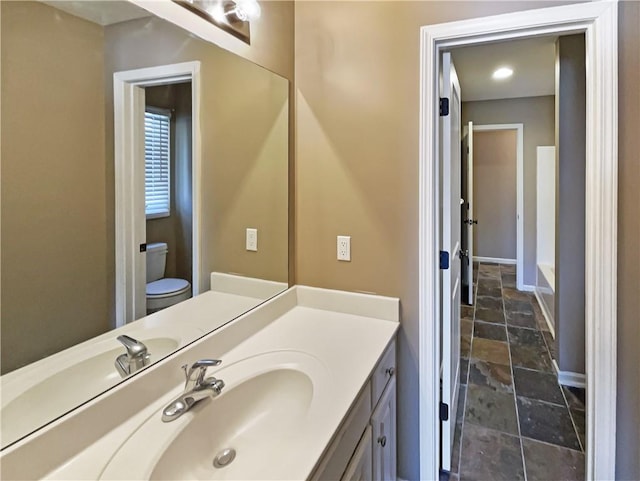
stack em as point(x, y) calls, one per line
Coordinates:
point(134, 347)
point(200, 368)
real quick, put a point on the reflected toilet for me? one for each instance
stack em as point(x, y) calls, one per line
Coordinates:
point(162, 292)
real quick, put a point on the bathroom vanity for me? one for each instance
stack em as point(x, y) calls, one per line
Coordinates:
point(309, 379)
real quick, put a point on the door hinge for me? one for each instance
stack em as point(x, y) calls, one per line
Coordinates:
point(444, 411)
point(444, 260)
point(444, 106)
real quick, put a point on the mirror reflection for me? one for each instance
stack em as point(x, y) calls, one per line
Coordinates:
point(116, 210)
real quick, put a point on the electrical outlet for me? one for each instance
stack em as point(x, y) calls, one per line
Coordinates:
point(344, 248)
point(252, 239)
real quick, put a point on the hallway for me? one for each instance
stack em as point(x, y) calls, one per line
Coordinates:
point(515, 421)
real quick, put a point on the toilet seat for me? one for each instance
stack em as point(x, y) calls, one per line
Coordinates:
point(167, 287)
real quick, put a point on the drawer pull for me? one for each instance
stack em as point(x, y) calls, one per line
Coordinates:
point(382, 441)
point(390, 371)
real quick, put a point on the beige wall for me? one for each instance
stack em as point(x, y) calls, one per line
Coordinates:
point(494, 193)
point(537, 116)
point(244, 124)
point(571, 111)
point(357, 88)
point(628, 445)
point(54, 283)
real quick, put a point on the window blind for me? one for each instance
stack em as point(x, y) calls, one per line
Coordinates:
point(157, 175)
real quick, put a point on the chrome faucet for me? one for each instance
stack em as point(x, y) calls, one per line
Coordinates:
point(135, 358)
point(196, 388)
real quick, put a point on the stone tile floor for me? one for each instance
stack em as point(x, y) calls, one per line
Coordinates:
point(515, 421)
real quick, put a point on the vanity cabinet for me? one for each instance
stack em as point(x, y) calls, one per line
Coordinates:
point(364, 448)
point(383, 423)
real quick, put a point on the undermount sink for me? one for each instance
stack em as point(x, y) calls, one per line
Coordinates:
point(43, 394)
point(257, 418)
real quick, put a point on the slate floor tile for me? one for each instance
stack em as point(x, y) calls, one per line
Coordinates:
point(531, 358)
point(496, 456)
point(489, 283)
point(546, 422)
point(489, 274)
point(487, 330)
point(525, 337)
point(515, 294)
point(521, 319)
point(491, 409)
point(490, 315)
point(496, 377)
point(508, 268)
point(465, 346)
point(575, 396)
point(455, 449)
point(551, 344)
point(466, 327)
point(487, 302)
point(552, 433)
point(489, 350)
point(538, 385)
point(579, 422)
point(485, 289)
point(545, 462)
point(464, 370)
point(515, 305)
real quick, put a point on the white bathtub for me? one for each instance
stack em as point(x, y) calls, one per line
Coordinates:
point(545, 292)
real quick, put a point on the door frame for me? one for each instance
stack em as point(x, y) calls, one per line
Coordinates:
point(598, 20)
point(128, 97)
point(519, 128)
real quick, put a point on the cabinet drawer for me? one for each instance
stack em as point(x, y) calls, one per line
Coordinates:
point(384, 371)
point(335, 460)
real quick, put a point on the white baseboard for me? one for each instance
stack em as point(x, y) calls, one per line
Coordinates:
point(528, 288)
point(568, 378)
point(547, 318)
point(495, 260)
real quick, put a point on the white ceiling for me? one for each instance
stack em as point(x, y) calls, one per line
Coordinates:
point(532, 61)
point(102, 12)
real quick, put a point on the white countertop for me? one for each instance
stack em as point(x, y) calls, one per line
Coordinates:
point(348, 344)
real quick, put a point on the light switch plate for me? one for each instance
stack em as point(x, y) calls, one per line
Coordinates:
point(252, 239)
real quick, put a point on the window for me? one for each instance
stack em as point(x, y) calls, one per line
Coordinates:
point(157, 177)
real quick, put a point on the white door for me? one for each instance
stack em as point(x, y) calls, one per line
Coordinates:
point(467, 213)
point(450, 275)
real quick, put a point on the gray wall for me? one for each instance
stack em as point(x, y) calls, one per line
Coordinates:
point(628, 442)
point(570, 202)
point(495, 193)
point(537, 115)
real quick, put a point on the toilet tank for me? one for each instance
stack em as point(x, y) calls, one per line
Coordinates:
point(156, 260)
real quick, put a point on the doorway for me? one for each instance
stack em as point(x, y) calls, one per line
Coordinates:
point(131, 240)
point(599, 23)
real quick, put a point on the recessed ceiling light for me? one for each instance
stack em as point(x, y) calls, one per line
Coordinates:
point(502, 73)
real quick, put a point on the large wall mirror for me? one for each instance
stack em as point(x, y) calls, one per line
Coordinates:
point(188, 161)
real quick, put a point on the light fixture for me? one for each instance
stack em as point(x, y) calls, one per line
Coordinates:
point(502, 73)
point(232, 16)
point(244, 10)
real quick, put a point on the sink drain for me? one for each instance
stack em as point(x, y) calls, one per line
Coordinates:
point(224, 458)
